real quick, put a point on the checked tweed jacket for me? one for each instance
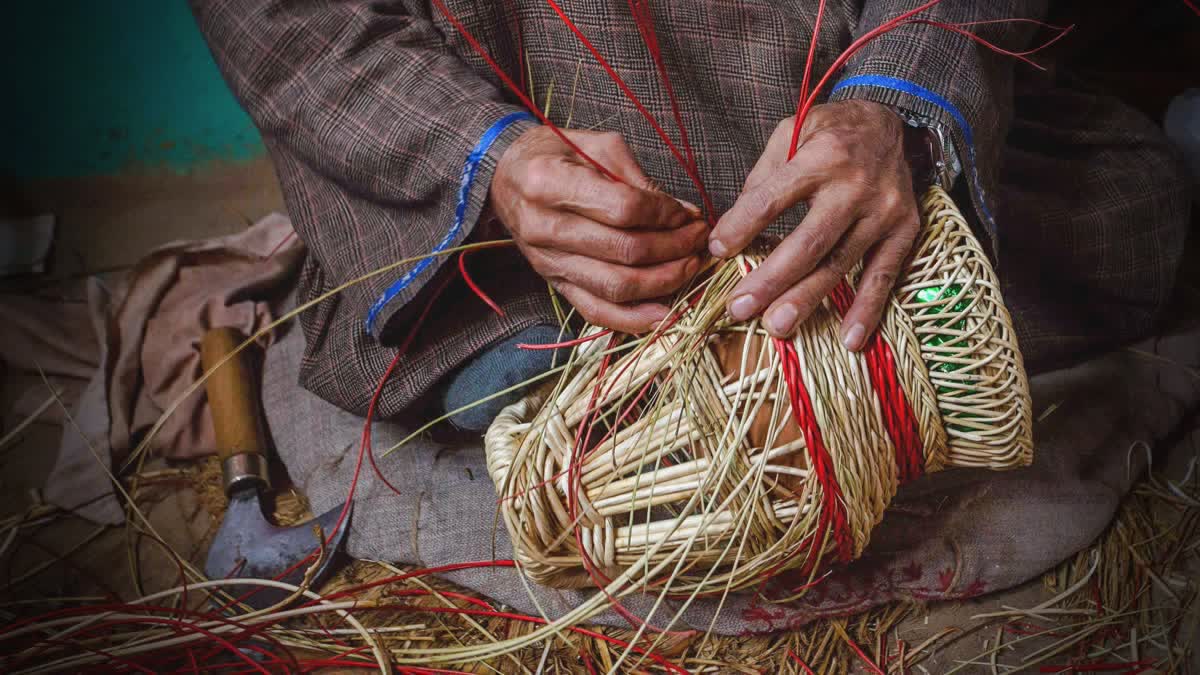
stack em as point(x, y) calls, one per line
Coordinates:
point(371, 107)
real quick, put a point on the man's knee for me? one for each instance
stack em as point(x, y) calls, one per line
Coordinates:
point(495, 374)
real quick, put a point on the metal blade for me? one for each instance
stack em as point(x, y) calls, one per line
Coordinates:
point(248, 546)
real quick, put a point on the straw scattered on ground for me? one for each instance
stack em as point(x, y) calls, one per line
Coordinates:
point(1126, 604)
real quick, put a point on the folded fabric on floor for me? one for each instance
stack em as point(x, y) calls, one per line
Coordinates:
point(955, 534)
point(133, 349)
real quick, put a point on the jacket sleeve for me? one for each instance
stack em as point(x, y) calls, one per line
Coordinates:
point(947, 79)
point(368, 97)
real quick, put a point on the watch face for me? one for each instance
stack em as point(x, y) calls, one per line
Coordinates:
point(923, 151)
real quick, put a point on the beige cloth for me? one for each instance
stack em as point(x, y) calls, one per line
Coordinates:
point(142, 350)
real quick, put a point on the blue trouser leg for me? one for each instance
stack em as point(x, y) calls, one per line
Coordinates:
point(498, 367)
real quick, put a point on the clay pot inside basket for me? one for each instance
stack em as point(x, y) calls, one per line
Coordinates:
point(728, 349)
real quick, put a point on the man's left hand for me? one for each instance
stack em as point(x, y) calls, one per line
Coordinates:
point(851, 170)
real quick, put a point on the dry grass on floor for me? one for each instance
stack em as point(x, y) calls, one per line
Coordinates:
point(1126, 600)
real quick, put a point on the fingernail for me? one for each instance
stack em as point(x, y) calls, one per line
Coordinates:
point(742, 307)
point(781, 320)
point(717, 248)
point(853, 337)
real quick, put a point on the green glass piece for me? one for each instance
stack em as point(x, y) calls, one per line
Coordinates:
point(934, 294)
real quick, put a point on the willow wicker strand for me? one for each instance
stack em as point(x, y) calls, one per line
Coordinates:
point(678, 468)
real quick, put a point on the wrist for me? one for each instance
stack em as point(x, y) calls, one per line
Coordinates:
point(929, 150)
point(503, 183)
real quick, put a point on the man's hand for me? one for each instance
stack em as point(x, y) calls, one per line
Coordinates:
point(851, 169)
point(612, 249)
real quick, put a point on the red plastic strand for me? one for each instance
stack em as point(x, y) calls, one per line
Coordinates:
point(1021, 56)
point(587, 662)
point(833, 511)
point(644, 18)
point(471, 600)
point(989, 22)
point(637, 103)
point(806, 586)
point(806, 103)
point(574, 476)
point(512, 87)
point(901, 20)
point(898, 418)
point(250, 632)
point(615, 427)
point(281, 244)
point(121, 607)
point(312, 664)
point(462, 268)
point(112, 658)
point(246, 633)
point(454, 567)
point(185, 627)
point(365, 446)
point(568, 343)
point(596, 575)
point(812, 53)
point(800, 662)
point(874, 668)
point(520, 36)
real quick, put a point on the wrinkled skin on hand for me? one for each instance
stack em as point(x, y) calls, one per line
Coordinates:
point(613, 249)
point(851, 170)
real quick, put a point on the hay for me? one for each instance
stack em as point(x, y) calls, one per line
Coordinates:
point(1127, 599)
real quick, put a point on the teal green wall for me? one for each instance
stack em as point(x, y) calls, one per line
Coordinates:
point(108, 86)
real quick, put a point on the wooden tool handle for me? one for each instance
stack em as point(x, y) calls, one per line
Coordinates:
point(232, 394)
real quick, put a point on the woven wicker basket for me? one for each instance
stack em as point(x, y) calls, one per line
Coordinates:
point(715, 457)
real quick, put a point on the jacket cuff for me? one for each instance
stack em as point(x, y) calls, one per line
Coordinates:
point(478, 169)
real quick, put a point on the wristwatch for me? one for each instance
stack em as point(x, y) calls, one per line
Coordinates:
point(930, 151)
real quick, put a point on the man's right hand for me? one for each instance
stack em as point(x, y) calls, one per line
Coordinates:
point(612, 249)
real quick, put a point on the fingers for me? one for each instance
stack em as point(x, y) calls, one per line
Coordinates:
point(634, 203)
point(561, 185)
point(889, 243)
point(757, 207)
point(623, 206)
point(575, 234)
point(619, 283)
point(880, 271)
point(798, 301)
point(639, 318)
point(798, 255)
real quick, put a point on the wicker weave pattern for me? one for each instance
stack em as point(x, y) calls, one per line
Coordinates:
point(977, 369)
point(678, 455)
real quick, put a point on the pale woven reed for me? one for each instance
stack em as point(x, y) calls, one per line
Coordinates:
point(706, 482)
